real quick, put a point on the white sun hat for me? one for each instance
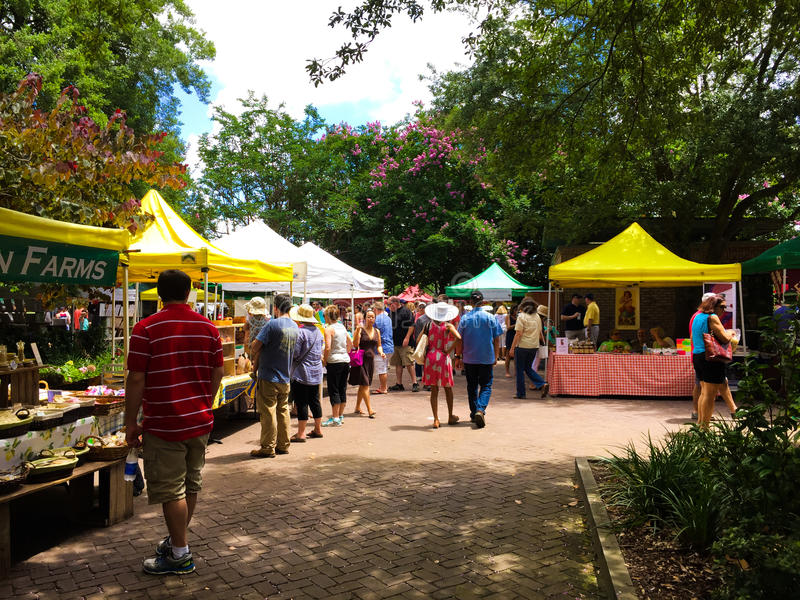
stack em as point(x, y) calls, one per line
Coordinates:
point(441, 311)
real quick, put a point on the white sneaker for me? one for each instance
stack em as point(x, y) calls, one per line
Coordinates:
point(338, 422)
point(329, 422)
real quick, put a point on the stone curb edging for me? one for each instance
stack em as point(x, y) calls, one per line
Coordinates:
point(613, 578)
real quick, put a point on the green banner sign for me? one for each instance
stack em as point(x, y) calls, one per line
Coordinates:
point(38, 261)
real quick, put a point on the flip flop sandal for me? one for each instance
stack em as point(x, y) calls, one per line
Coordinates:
point(314, 435)
point(297, 440)
point(377, 392)
point(372, 415)
point(452, 420)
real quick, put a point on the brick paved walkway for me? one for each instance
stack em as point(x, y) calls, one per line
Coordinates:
point(377, 509)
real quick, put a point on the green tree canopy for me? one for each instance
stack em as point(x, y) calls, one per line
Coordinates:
point(605, 111)
point(121, 55)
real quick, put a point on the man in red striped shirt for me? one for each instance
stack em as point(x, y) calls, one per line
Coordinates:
point(174, 372)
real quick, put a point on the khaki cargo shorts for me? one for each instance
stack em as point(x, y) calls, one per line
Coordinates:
point(172, 469)
point(401, 357)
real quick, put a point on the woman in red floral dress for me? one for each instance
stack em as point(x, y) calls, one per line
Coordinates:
point(438, 371)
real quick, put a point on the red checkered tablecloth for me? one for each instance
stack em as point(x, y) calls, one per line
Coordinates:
point(620, 375)
point(572, 374)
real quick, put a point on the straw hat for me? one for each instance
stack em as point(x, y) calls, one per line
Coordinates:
point(256, 306)
point(302, 314)
point(441, 311)
point(543, 310)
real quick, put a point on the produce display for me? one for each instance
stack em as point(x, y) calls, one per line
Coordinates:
point(582, 347)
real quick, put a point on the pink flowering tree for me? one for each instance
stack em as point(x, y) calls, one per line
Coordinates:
point(424, 213)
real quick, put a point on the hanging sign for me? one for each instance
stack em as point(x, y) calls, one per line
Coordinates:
point(39, 261)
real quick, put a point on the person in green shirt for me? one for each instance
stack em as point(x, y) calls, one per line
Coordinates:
point(615, 345)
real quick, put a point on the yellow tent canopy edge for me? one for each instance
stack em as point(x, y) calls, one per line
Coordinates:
point(168, 242)
point(21, 225)
point(635, 258)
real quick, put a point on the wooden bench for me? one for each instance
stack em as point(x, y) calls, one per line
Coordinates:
point(116, 499)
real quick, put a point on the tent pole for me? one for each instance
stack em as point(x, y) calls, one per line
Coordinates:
point(136, 315)
point(784, 286)
point(741, 310)
point(125, 324)
point(549, 316)
point(353, 311)
point(222, 307)
point(114, 321)
point(205, 292)
point(305, 294)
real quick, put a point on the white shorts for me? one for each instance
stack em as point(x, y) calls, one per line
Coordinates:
point(381, 364)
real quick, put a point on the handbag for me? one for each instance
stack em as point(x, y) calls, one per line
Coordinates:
point(418, 356)
point(356, 357)
point(716, 351)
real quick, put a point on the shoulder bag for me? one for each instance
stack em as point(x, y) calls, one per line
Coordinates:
point(418, 356)
point(716, 351)
point(356, 357)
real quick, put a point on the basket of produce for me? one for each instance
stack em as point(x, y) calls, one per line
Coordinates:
point(11, 480)
point(14, 423)
point(109, 447)
point(68, 451)
point(51, 468)
point(46, 418)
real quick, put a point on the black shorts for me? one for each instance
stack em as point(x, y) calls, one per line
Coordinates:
point(708, 371)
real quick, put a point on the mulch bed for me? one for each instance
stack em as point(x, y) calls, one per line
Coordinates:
point(659, 567)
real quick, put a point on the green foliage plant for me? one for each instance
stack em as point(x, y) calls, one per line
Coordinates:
point(731, 491)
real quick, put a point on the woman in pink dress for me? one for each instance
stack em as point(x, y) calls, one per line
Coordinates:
point(438, 371)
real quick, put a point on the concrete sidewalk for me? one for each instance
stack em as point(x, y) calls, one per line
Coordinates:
point(378, 508)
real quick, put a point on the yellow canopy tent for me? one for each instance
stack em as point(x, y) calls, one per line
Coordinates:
point(43, 250)
point(152, 294)
point(169, 243)
point(634, 258)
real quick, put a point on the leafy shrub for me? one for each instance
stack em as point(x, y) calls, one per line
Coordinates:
point(731, 491)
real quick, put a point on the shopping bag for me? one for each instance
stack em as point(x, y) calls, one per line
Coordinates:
point(542, 352)
point(716, 351)
point(418, 356)
point(356, 357)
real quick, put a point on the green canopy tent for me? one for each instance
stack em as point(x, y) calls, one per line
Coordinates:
point(777, 259)
point(782, 256)
point(494, 283)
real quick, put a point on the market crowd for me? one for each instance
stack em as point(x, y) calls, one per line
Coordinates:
point(175, 367)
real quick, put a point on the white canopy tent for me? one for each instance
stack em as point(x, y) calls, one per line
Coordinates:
point(317, 273)
point(258, 239)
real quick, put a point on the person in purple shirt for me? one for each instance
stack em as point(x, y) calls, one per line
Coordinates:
point(306, 372)
point(480, 333)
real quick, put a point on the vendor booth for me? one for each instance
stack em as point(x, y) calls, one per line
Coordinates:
point(632, 259)
point(494, 283)
point(39, 250)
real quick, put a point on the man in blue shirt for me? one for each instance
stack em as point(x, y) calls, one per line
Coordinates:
point(383, 323)
point(272, 353)
point(480, 334)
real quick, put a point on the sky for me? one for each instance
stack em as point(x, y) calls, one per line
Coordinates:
point(263, 46)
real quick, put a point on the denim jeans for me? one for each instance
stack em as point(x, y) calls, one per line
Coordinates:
point(523, 358)
point(479, 376)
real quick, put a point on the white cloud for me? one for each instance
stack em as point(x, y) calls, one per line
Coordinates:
point(264, 45)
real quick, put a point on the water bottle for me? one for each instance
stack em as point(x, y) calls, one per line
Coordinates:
point(131, 464)
point(644, 351)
